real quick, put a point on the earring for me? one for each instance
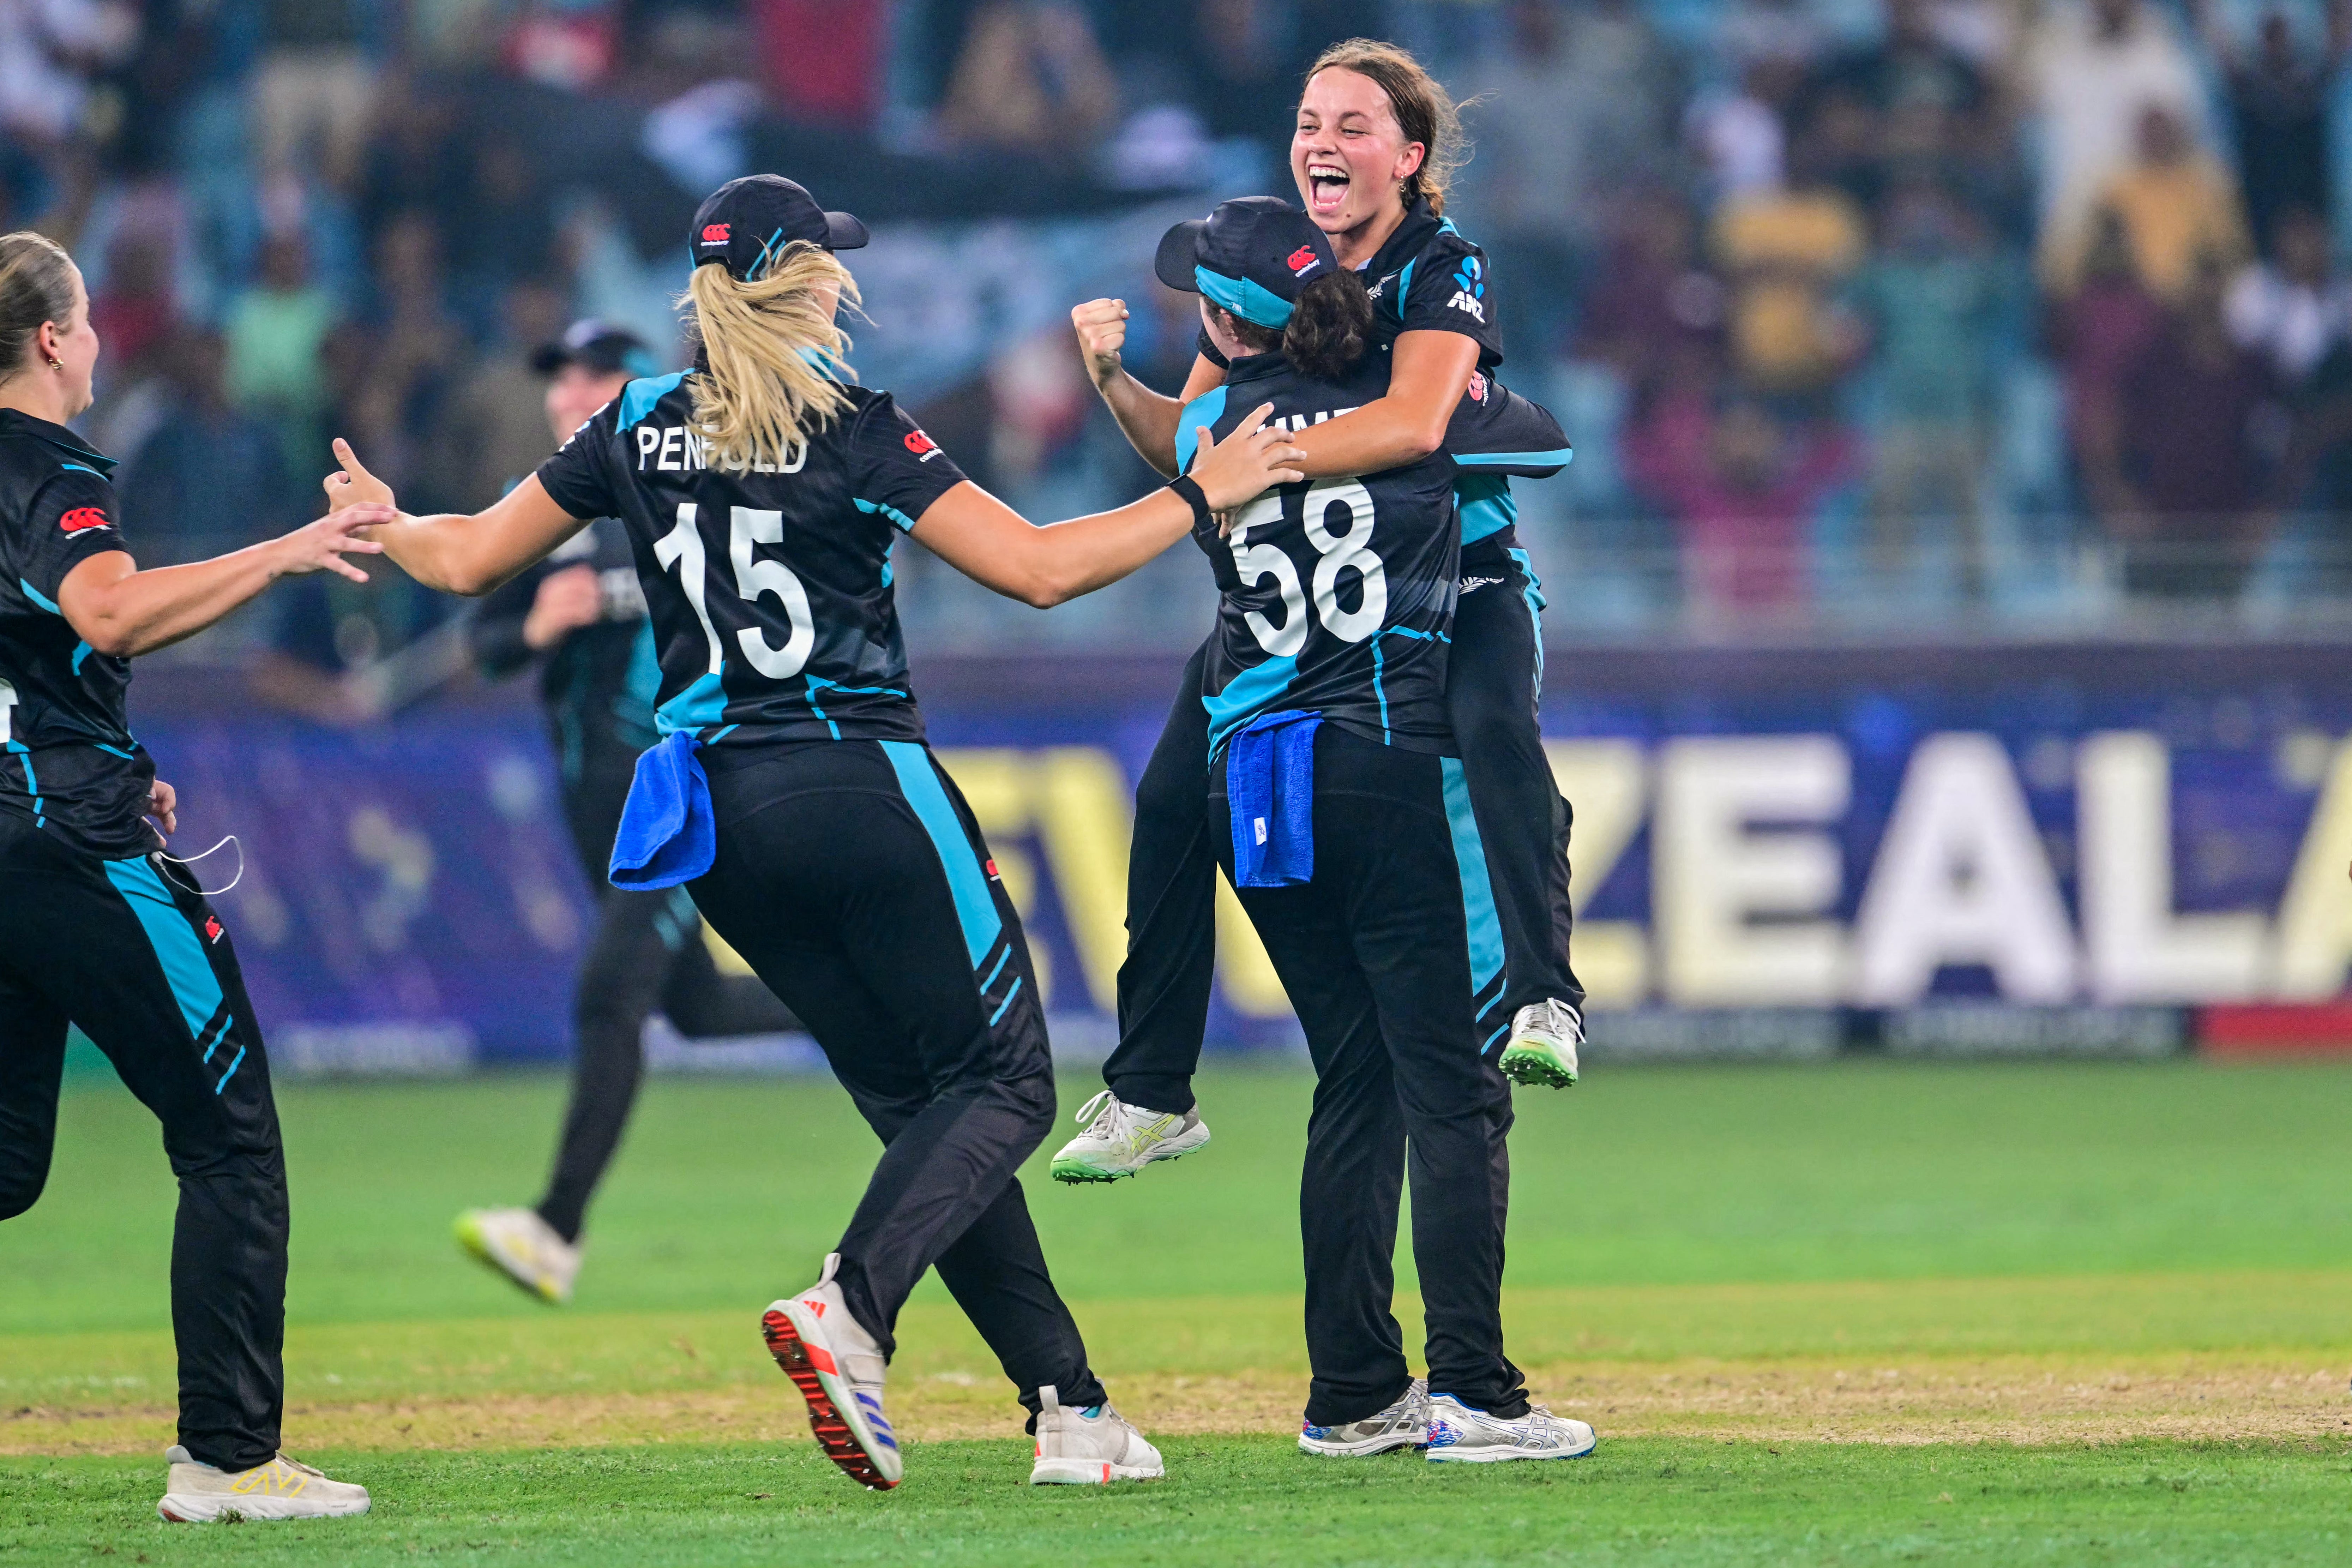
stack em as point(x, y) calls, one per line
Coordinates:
point(57, 364)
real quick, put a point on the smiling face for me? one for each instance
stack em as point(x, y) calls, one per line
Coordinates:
point(1351, 161)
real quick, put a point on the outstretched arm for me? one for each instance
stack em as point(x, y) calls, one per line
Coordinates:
point(123, 611)
point(1147, 419)
point(997, 547)
point(453, 552)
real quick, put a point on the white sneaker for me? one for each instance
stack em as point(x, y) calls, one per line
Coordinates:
point(1121, 1139)
point(524, 1248)
point(1544, 1039)
point(282, 1488)
point(838, 1368)
point(1404, 1425)
point(1456, 1432)
point(1089, 1448)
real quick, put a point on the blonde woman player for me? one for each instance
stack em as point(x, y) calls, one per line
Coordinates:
point(796, 798)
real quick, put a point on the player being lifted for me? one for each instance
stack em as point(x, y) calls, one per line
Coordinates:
point(581, 615)
point(1335, 804)
point(1376, 139)
point(762, 491)
point(100, 928)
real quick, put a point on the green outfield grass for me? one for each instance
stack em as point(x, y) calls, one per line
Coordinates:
point(2173, 1238)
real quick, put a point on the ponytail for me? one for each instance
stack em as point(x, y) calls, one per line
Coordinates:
point(768, 344)
point(1331, 326)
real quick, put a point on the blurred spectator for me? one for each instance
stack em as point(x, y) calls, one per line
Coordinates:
point(315, 90)
point(1579, 110)
point(2295, 308)
point(2093, 68)
point(2200, 428)
point(502, 228)
point(1032, 81)
point(1739, 137)
point(275, 329)
point(417, 161)
point(1908, 106)
point(2278, 112)
point(412, 354)
point(822, 60)
point(569, 45)
point(1653, 307)
point(2178, 209)
point(49, 50)
point(1936, 301)
point(209, 478)
point(493, 430)
point(1784, 252)
point(132, 310)
point(1742, 487)
point(2098, 333)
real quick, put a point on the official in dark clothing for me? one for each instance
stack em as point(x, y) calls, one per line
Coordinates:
point(581, 616)
point(101, 930)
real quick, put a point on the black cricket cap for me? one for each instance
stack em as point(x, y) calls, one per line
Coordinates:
point(1252, 255)
point(747, 223)
point(599, 346)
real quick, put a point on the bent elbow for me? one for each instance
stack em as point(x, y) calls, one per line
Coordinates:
point(1043, 593)
point(114, 642)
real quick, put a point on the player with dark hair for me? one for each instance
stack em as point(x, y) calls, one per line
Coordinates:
point(1376, 139)
point(1336, 806)
point(794, 794)
point(581, 617)
point(102, 930)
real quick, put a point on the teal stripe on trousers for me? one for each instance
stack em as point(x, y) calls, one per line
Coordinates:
point(918, 781)
point(176, 945)
point(1477, 891)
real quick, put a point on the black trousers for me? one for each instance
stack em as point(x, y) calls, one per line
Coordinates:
point(1494, 679)
point(647, 952)
point(129, 951)
point(851, 876)
point(1378, 954)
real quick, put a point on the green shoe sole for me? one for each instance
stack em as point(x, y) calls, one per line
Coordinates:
point(1528, 1065)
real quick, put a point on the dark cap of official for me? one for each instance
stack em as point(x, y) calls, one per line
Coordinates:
point(746, 223)
point(599, 346)
point(1252, 255)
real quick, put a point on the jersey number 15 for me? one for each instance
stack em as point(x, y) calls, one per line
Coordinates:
point(746, 526)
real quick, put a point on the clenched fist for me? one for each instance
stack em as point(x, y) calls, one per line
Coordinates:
point(1102, 332)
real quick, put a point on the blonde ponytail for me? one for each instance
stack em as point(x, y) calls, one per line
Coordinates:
point(764, 392)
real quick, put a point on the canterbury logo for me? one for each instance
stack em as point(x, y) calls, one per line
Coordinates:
point(715, 233)
point(82, 518)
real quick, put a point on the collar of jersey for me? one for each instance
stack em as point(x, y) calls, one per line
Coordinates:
point(1419, 228)
point(1254, 367)
point(14, 423)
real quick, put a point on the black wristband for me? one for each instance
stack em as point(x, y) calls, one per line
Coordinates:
point(1189, 488)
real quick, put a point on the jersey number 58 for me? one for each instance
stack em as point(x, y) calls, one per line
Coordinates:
point(1324, 503)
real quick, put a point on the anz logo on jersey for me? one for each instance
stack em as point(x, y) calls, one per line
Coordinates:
point(681, 449)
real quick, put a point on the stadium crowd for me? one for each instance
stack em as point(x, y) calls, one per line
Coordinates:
point(1849, 305)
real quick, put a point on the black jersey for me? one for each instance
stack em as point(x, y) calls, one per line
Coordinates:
point(1339, 597)
point(769, 588)
point(599, 681)
point(66, 759)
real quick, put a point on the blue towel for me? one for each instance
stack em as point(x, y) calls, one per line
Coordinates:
point(1270, 785)
point(666, 835)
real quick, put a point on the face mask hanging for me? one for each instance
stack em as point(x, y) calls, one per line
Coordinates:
point(191, 861)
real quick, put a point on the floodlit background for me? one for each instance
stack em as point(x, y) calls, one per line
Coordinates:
point(1948, 599)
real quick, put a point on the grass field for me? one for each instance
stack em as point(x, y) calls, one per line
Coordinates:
point(1860, 1313)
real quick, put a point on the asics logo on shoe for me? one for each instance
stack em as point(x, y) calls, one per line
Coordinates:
point(1441, 1436)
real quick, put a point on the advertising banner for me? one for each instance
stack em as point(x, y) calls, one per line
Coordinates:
point(2103, 851)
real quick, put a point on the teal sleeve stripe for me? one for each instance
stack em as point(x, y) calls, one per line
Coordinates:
point(1203, 410)
point(1477, 891)
point(194, 985)
point(638, 398)
point(82, 651)
point(906, 524)
point(112, 752)
point(918, 781)
point(81, 468)
point(42, 600)
point(1007, 1003)
point(1562, 456)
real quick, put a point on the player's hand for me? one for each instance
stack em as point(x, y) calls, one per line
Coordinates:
point(1102, 332)
point(1253, 459)
point(321, 546)
point(566, 601)
point(354, 484)
point(163, 806)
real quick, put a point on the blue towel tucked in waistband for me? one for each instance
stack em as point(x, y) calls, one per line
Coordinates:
point(1270, 785)
point(666, 835)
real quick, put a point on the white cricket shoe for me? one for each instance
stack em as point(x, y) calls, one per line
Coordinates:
point(1544, 1039)
point(524, 1248)
point(1459, 1433)
point(1089, 1448)
point(1403, 1425)
point(1121, 1139)
point(282, 1488)
point(838, 1368)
